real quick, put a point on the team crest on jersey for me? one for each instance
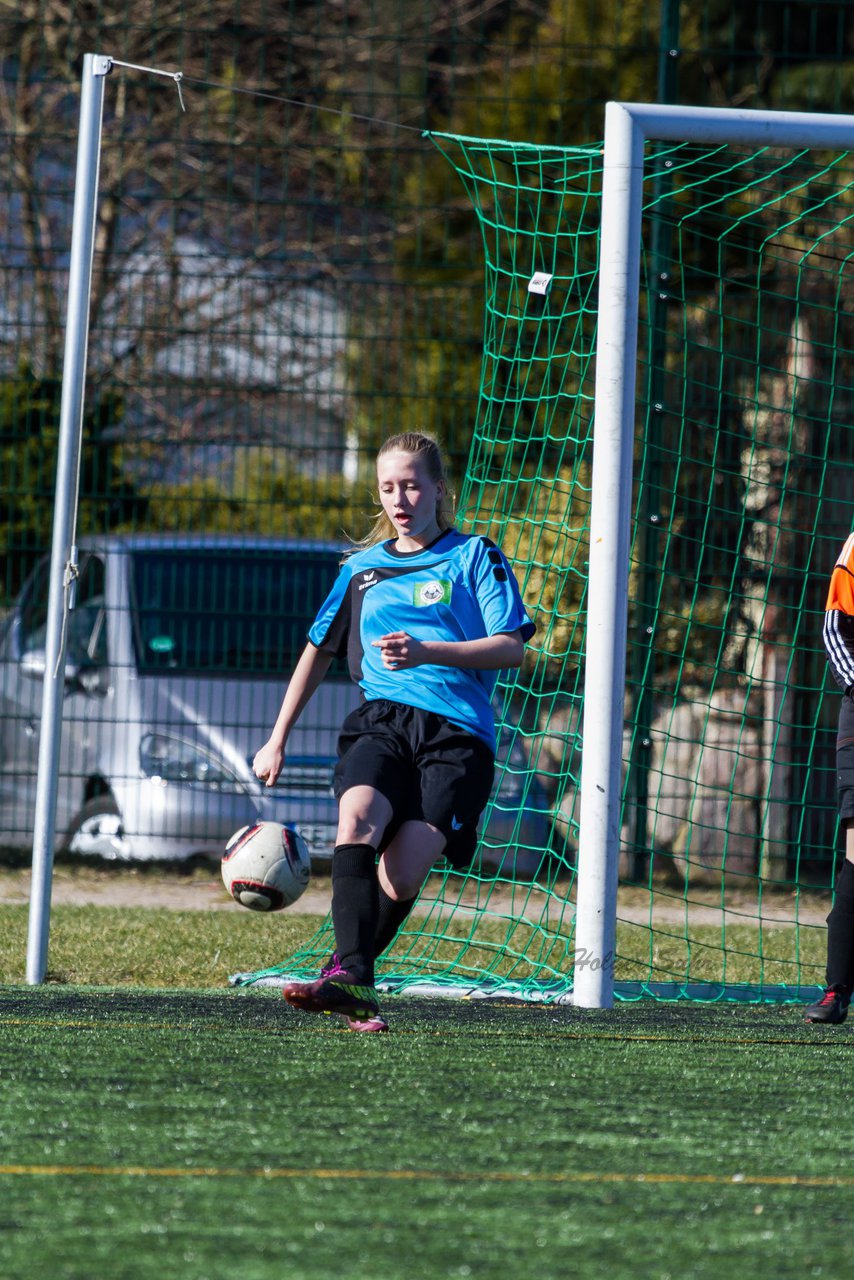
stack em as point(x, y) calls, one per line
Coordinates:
point(437, 591)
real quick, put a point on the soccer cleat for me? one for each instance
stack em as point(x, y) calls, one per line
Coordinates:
point(374, 1024)
point(334, 969)
point(326, 996)
point(832, 1007)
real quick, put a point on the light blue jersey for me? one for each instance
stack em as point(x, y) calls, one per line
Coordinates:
point(461, 587)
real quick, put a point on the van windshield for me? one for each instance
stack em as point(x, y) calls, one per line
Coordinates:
point(242, 611)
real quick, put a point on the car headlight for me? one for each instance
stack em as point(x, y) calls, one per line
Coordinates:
point(172, 760)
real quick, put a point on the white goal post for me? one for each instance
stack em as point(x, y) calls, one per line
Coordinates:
point(628, 126)
point(63, 562)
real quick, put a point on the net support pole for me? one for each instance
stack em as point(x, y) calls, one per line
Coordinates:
point(63, 561)
point(607, 599)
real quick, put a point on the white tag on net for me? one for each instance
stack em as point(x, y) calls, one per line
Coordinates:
point(540, 282)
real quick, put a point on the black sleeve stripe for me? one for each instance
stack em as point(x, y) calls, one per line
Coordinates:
point(839, 643)
point(335, 638)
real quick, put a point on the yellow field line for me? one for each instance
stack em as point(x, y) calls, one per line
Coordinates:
point(422, 1175)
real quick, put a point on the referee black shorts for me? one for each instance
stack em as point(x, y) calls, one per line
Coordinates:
point(845, 759)
point(428, 769)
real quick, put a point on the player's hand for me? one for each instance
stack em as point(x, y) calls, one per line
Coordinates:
point(267, 764)
point(399, 651)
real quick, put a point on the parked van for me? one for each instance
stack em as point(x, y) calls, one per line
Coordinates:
point(178, 649)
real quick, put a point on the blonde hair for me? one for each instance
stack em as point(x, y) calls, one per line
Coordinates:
point(427, 449)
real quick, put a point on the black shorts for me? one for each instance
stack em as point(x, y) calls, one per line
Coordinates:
point(428, 769)
point(845, 760)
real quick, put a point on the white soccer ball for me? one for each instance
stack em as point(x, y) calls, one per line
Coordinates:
point(266, 866)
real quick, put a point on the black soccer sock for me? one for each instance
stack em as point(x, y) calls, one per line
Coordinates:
point(840, 930)
point(390, 917)
point(354, 908)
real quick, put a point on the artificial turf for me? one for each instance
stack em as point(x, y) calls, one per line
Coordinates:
point(219, 1134)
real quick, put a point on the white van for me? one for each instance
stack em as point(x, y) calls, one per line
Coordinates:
point(178, 649)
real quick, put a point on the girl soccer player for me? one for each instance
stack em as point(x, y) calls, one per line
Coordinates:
point(839, 643)
point(427, 617)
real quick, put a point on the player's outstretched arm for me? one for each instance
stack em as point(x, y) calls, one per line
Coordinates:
point(308, 675)
point(399, 651)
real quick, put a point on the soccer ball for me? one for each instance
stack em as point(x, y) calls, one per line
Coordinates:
point(266, 866)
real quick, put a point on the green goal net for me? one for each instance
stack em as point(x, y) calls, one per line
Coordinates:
point(742, 482)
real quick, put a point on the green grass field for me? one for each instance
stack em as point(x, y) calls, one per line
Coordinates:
point(207, 1133)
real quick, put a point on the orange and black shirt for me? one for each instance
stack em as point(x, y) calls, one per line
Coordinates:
point(838, 631)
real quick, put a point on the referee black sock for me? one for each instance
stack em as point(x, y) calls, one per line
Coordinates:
point(840, 930)
point(355, 907)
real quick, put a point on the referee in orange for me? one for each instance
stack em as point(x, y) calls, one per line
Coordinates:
point(838, 636)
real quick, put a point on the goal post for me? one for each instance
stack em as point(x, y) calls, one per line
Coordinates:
point(628, 126)
point(63, 563)
point(660, 448)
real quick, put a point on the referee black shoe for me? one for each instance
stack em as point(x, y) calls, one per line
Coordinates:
point(832, 1007)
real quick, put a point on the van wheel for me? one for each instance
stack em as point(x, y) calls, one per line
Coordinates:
point(97, 831)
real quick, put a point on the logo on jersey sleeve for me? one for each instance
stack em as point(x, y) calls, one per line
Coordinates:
point(437, 591)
